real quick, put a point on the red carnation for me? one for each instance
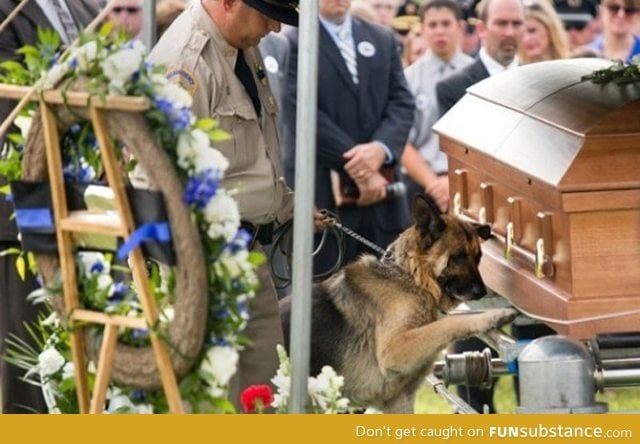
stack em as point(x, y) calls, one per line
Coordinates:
point(255, 398)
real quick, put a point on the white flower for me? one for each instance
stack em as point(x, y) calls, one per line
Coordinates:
point(158, 80)
point(54, 75)
point(143, 409)
point(121, 65)
point(221, 363)
point(235, 264)
point(67, 371)
point(215, 392)
point(168, 313)
point(189, 144)
point(120, 403)
point(170, 91)
point(90, 259)
point(105, 281)
point(24, 124)
point(51, 320)
point(86, 54)
point(209, 159)
point(223, 216)
point(50, 361)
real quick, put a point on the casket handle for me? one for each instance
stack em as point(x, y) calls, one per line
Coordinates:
point(508, 240)
point(513, 230)
point(485, 214)
point(543, 264)
point(460, 200)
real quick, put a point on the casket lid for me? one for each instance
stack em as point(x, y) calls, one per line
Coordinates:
point(545, 121)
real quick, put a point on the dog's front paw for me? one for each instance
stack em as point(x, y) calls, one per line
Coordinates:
point(495, 318)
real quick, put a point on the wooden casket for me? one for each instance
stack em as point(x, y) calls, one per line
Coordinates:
point(552, 162)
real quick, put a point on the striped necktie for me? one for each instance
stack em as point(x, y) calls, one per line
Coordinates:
point(69, 26)
point(345, 45)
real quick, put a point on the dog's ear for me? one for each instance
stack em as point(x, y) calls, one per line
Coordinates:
point(484, 231)
point(428, 220)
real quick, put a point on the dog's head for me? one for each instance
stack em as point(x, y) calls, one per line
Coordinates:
point(447, 250)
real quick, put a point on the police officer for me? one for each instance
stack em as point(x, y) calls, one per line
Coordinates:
point(211, 50)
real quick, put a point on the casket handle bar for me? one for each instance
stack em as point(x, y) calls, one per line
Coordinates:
point(460, 198)
point(543, 262)
point(541, 259)
point(485, 214)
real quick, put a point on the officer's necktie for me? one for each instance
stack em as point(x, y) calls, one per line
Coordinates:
point(345, 45)
point(246, 78)
point(68, 25)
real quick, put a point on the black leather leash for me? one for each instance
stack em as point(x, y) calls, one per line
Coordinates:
point(283, 243)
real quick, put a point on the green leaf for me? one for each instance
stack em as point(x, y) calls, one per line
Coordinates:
point(12, 65)
point(16, 138)
point(29, 50)
point(5, 189)
point(106, 29)
point(256, 258)
point(206, 124)
point(20, 267)
point(218, 135)
point(9, 251)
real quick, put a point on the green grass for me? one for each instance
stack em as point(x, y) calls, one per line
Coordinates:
point(619, 400)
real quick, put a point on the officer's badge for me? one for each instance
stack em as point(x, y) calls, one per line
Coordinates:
point(184, 78)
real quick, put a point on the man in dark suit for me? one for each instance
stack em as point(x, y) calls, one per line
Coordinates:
point(500, 27)
point(365, 111)
point(18, 396)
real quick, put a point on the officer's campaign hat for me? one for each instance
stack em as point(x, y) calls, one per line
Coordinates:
point(576, 13)
point(284, 11)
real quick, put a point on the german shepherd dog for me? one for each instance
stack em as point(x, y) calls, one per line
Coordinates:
point(379, 324)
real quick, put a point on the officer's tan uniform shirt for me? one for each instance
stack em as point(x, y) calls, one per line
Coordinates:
point(198, 58)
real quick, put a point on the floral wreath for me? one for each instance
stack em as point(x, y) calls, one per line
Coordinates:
point(106, 65)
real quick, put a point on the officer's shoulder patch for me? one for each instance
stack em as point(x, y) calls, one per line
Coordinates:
point(184, 78)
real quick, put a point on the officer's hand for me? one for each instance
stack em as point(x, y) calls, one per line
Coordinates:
point(320, 221)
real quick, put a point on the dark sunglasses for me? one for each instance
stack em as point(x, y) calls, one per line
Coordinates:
point(578, 26)
point(129, 9)
point(615, 9)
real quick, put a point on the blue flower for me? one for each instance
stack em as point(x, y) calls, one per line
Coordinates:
point(75, 128)
point(178, 117)
point(120, 290)
point(138, 395)
point(201, 188)
point(240, 242)
point(92, 141)
point(8, 197)
point(97, 267)
point(222, 313)
point(139, 333)
point(214, 340)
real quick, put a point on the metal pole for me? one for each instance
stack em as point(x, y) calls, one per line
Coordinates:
point(303, 212)
point(149, 23)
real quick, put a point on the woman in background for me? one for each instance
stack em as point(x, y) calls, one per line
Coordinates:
point(544, 35)
point(618, 19)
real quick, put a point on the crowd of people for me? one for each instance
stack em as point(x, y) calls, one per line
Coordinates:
point(388, 69)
